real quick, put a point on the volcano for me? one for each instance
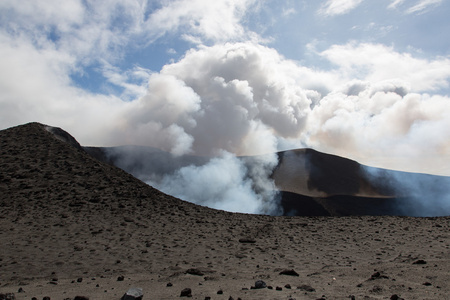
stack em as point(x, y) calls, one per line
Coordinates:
point(72, 225)
point(311, 183)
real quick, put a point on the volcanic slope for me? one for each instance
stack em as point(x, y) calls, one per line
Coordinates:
point(310, 183)
point(71, 225)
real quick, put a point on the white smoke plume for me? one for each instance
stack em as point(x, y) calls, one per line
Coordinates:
point(419, 195)
point(225, 183)
point(246, 99)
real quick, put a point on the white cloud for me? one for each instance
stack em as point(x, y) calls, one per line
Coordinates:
point(395, 3)
point(210, 20)
point(375, 62)
point(423, 5)
point(338, 7)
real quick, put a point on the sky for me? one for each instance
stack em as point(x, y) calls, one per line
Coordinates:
point(364, 79)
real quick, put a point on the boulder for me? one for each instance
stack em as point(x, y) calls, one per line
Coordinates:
point(133, 294)
point(259, 284)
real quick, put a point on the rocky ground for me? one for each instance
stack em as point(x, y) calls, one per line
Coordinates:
point(73, 226)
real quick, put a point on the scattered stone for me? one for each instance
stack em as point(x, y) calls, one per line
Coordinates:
point(46, 298)
point(169, 284)
point(420, 262)
point(352, 297)
point(21, 290)
point(376, 289)
point(427, 283)
point(80, 298)
point(133, 294)
point(128, 219)
point(187, 292)
point(230, 298)
point(395, 297)
point(288, 286)
point(270, 287)
point(307, 288)
point(207, 298)
point(120, 278)
point(279, 288)
point(247, 241)
point(289, 273)
point(80, 279)
point(377, 275)
point(219, 292)
point(8, 296)
point(195, 272)
point(259, 284)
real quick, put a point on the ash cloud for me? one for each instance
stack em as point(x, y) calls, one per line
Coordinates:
point(225, 182)
point(420, 195)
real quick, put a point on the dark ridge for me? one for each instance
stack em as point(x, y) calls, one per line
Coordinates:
point(332, 174)
point(348, 205)
point(64, 136)
point(300, 205)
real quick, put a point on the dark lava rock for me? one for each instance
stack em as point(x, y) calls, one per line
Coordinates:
point(8, 296)
point(395, 297)
point(80, 298)
point(427, 283)
point(195, 272)
point(169, 284)
point(259, 284)
point(219, 292)
point(377, 275)
point(279, 288)
point(46, 298)
point(247, 241)
point(288, 286)
point(207, 298)
point(307, 288)
point(133, 294)
point(80, 279)
point(120, 278)
point(420, 262)
point(376, 289)
point(21, 290)
point(187, 292)
point(289, 273)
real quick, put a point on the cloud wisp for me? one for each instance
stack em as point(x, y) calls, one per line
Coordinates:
point(338, 7)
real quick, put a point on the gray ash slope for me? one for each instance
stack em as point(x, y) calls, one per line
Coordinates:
point(312, 183)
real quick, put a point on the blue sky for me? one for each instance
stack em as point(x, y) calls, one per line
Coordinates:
point(364, 79)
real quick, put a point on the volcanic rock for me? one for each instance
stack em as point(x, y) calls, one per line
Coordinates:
point(133, 294)
point(289, 273)
point(259, 284)
point(187, 292)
